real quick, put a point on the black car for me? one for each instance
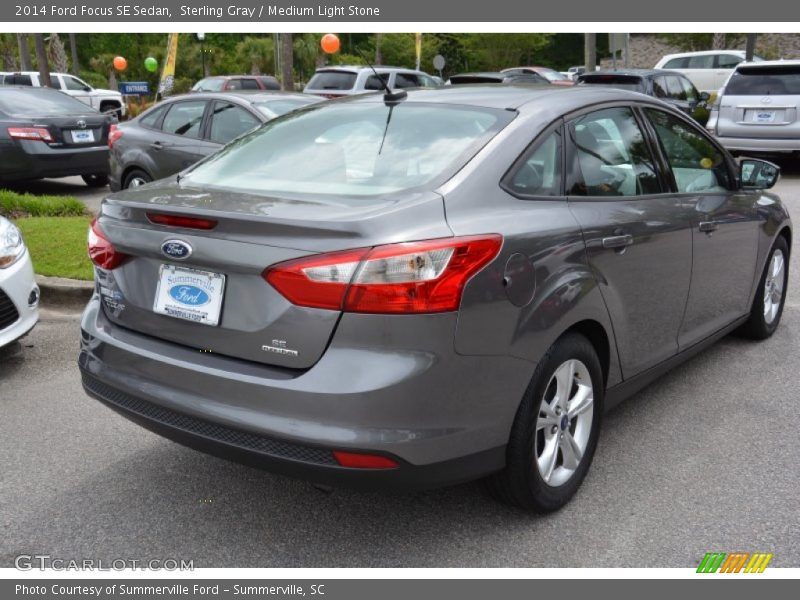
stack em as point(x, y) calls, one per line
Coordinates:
point(178, 132)
point(670, 86)
point(491, 77)
point(45, 133)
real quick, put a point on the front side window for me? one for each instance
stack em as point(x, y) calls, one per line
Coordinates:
point(150, 119)
point(406, 80)
point(229, 121)
point(374, 83)
point(611, 156)
point(352, 150)
point(185, 118)
point(210, 84)
point(689, 91)
point(73, 83)
point(697, 164)
point(675, 87)
point(540, 173)
point(660, 87)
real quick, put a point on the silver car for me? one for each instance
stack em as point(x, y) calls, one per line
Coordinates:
point(757, 110)
point(421, 289)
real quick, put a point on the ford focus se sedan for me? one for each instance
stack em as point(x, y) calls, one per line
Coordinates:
point(19, 294)
point(417, 290)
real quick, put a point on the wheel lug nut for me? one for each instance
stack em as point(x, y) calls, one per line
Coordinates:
point(554, 429)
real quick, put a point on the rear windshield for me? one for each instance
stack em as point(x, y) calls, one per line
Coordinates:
point(764, 81)
point(457, 79)
point(333, 80)
point(352, 150)
point(40, 102)
point(623, 82)
point(214, 84)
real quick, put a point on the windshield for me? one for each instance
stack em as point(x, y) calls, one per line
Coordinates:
point(352, 150)
point(43, 101)
point(214, 84)
point(276, 108)
point(634, 84)
point(764, 81)
point(332, 80)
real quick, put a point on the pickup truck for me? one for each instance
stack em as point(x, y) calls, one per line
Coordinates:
point(102, 100)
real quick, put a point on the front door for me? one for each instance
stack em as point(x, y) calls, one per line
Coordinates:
point(637, 234)
point(724, 227)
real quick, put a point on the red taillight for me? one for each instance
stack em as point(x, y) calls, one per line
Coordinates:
point(415, 277)
point(30, 133)
point(101, 252)
point(364, 461)
point(181, 221)
point(114, 133)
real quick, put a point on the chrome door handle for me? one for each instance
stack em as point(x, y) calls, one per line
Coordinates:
point(618, 241)
point(708, 226)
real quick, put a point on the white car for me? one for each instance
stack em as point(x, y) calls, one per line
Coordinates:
point(343, 80)
point(706, 69)
point(102, 100)
point(19, 294)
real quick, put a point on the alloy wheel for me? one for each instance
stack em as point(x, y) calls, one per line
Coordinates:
point(773, 286)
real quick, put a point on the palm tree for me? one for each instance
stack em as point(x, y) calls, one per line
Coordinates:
point(73, 48)
point(41, 60)
point(25, 61)
point(287, 62)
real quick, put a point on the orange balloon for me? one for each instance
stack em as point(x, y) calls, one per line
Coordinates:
point(120, 64)
point(329, 43)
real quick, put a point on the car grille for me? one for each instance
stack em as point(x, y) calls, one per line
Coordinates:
point(207, 429)
point(8, 312)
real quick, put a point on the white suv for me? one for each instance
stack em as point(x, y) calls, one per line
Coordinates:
point(102, 100)
point(332, 82)
point(708, 69)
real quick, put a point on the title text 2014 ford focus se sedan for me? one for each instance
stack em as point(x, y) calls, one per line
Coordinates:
point(425, 290)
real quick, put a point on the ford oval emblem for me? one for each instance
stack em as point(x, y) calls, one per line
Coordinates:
point(176, 249)
point(189, 294)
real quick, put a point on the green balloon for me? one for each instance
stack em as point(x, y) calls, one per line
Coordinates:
point(151, 64)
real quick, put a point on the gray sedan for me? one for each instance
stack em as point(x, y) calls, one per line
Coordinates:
point(423, 289)
point(179, 131)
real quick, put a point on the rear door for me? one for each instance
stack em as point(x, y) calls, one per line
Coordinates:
point(637, 233)
point(180, 143)
point(700, 69)
point(761, 102)
point(724, 226)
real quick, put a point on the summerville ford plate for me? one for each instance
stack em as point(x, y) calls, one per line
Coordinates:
point(189, 294)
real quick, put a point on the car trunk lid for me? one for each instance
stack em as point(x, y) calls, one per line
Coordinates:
point(250, 233)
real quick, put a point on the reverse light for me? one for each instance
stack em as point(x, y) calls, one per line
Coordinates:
point(114, 133)
point(101, 251)
point(405, 278)
point(30, 133)
point(364, 461)
point(181, 221)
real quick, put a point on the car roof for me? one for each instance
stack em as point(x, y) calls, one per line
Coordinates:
point(359, 68)
point(233, 76)
point(646, 73)
point(241, 95)
point(703, 53)
point(527, 67)
point(770, 63)
point(508, 97)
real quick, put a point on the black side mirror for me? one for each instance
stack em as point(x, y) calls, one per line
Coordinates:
point(704, 96)
point(757, 174)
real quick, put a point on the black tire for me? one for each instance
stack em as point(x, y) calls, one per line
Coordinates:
point(95, 180)
point(109, 106)
point(758, 327)
point(520, 483)
point(134, 175)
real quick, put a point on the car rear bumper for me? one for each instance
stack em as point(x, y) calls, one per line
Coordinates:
point(25, 159)
point(17, 316)
point(445, 418)
point(760, 145)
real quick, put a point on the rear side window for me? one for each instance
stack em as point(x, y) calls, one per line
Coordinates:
point(539, 174)
point(611, 156)
point(705, 61)
point(18, 79)
point(677, 63)
point(623, 82)
point(332, 80)
point(229, 121)
point(185, 118)
point(697, 164)
point(764, 81)
point(249, 84)
point(150, 120)
point(406, 80)
point(373, 83)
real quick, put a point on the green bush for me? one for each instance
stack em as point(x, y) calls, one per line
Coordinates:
point(14, 205)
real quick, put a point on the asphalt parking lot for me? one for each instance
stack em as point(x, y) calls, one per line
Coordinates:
point(705, 459)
